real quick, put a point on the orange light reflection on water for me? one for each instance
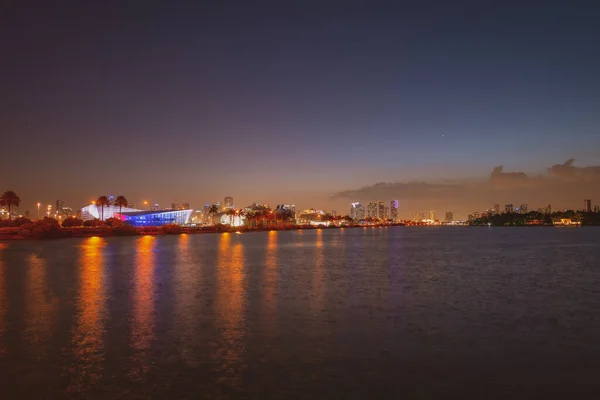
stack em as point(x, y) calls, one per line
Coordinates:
point(142, 324)
point(230, 304)
point(3, 302)
point(318, 294)
point(186, 288)
point(270, 278)
point(88, 337)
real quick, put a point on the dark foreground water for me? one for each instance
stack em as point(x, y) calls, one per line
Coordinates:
point(354, 313)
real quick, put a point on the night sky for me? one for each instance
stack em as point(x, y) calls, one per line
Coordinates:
point(314, 103)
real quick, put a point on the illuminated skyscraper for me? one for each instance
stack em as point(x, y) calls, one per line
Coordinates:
point(174, 206)
point(394, 210)
point(587, 205)
point(185, 206)
point(380, 210)
point(357, 211)
point(386, 213)
point(59, 205)
point(508, 208)
point(228, 204)
point(449, 216)
point(372, 210)
point(432, 215)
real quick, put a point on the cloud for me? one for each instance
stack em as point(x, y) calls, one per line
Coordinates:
point(568, 171)
point(564, 186)
point(411, 190)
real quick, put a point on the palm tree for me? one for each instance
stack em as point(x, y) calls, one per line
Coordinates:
point(102, 201)
point(232, 213)
point(212, 210)
point(121, 201)
point(8, 199)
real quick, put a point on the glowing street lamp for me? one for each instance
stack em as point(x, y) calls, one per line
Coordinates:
point(38, 206)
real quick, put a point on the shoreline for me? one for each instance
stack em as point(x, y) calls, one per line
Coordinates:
point(13, 233)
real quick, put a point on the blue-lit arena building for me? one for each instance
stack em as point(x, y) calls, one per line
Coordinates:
point(156, 218)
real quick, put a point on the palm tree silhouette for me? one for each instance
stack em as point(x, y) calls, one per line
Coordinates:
point(121, 201)
point(212, 210)
point(8, 199)
point(231, 213)
point(102, 201)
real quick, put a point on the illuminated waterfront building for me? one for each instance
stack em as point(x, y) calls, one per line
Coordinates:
point(92, 212)
point(312, 217)
point(587, 205)
point(449, 216)
point(228, 203)
point(386, 213)
point(372, 210)
point(357, 211)
point(394, 210)
point(381, 210)
point(174, 206)
point(432, 215)
point(155, 218)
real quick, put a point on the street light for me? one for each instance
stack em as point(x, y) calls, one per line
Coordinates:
point(38, 214)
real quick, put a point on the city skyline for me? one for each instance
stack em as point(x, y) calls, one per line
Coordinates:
point(272, 104)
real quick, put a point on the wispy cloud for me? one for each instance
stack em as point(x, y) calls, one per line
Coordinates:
point(564, 185)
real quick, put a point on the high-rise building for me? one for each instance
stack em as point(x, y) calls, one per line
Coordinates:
point(508, 208)
point(587, 205)
point(185, 206)
point(386, 213)
point(155, 208)
point(357, 211)
point(381, 210)
point(333, 213)
point(418, 216)
point(59, 205)
point(496, 208)
point(449, 216)
point(394, 210)
point(523, 209)
point(174, 206)
point(596, 208)
point(432, 215)
point(372, 210)
point(228, 204)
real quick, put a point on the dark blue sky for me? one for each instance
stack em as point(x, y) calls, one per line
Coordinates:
point(291, 101)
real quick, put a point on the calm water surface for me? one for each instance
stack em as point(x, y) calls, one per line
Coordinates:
point(355, 313)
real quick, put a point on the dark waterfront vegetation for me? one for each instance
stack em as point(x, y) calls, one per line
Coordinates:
point(534, 218)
